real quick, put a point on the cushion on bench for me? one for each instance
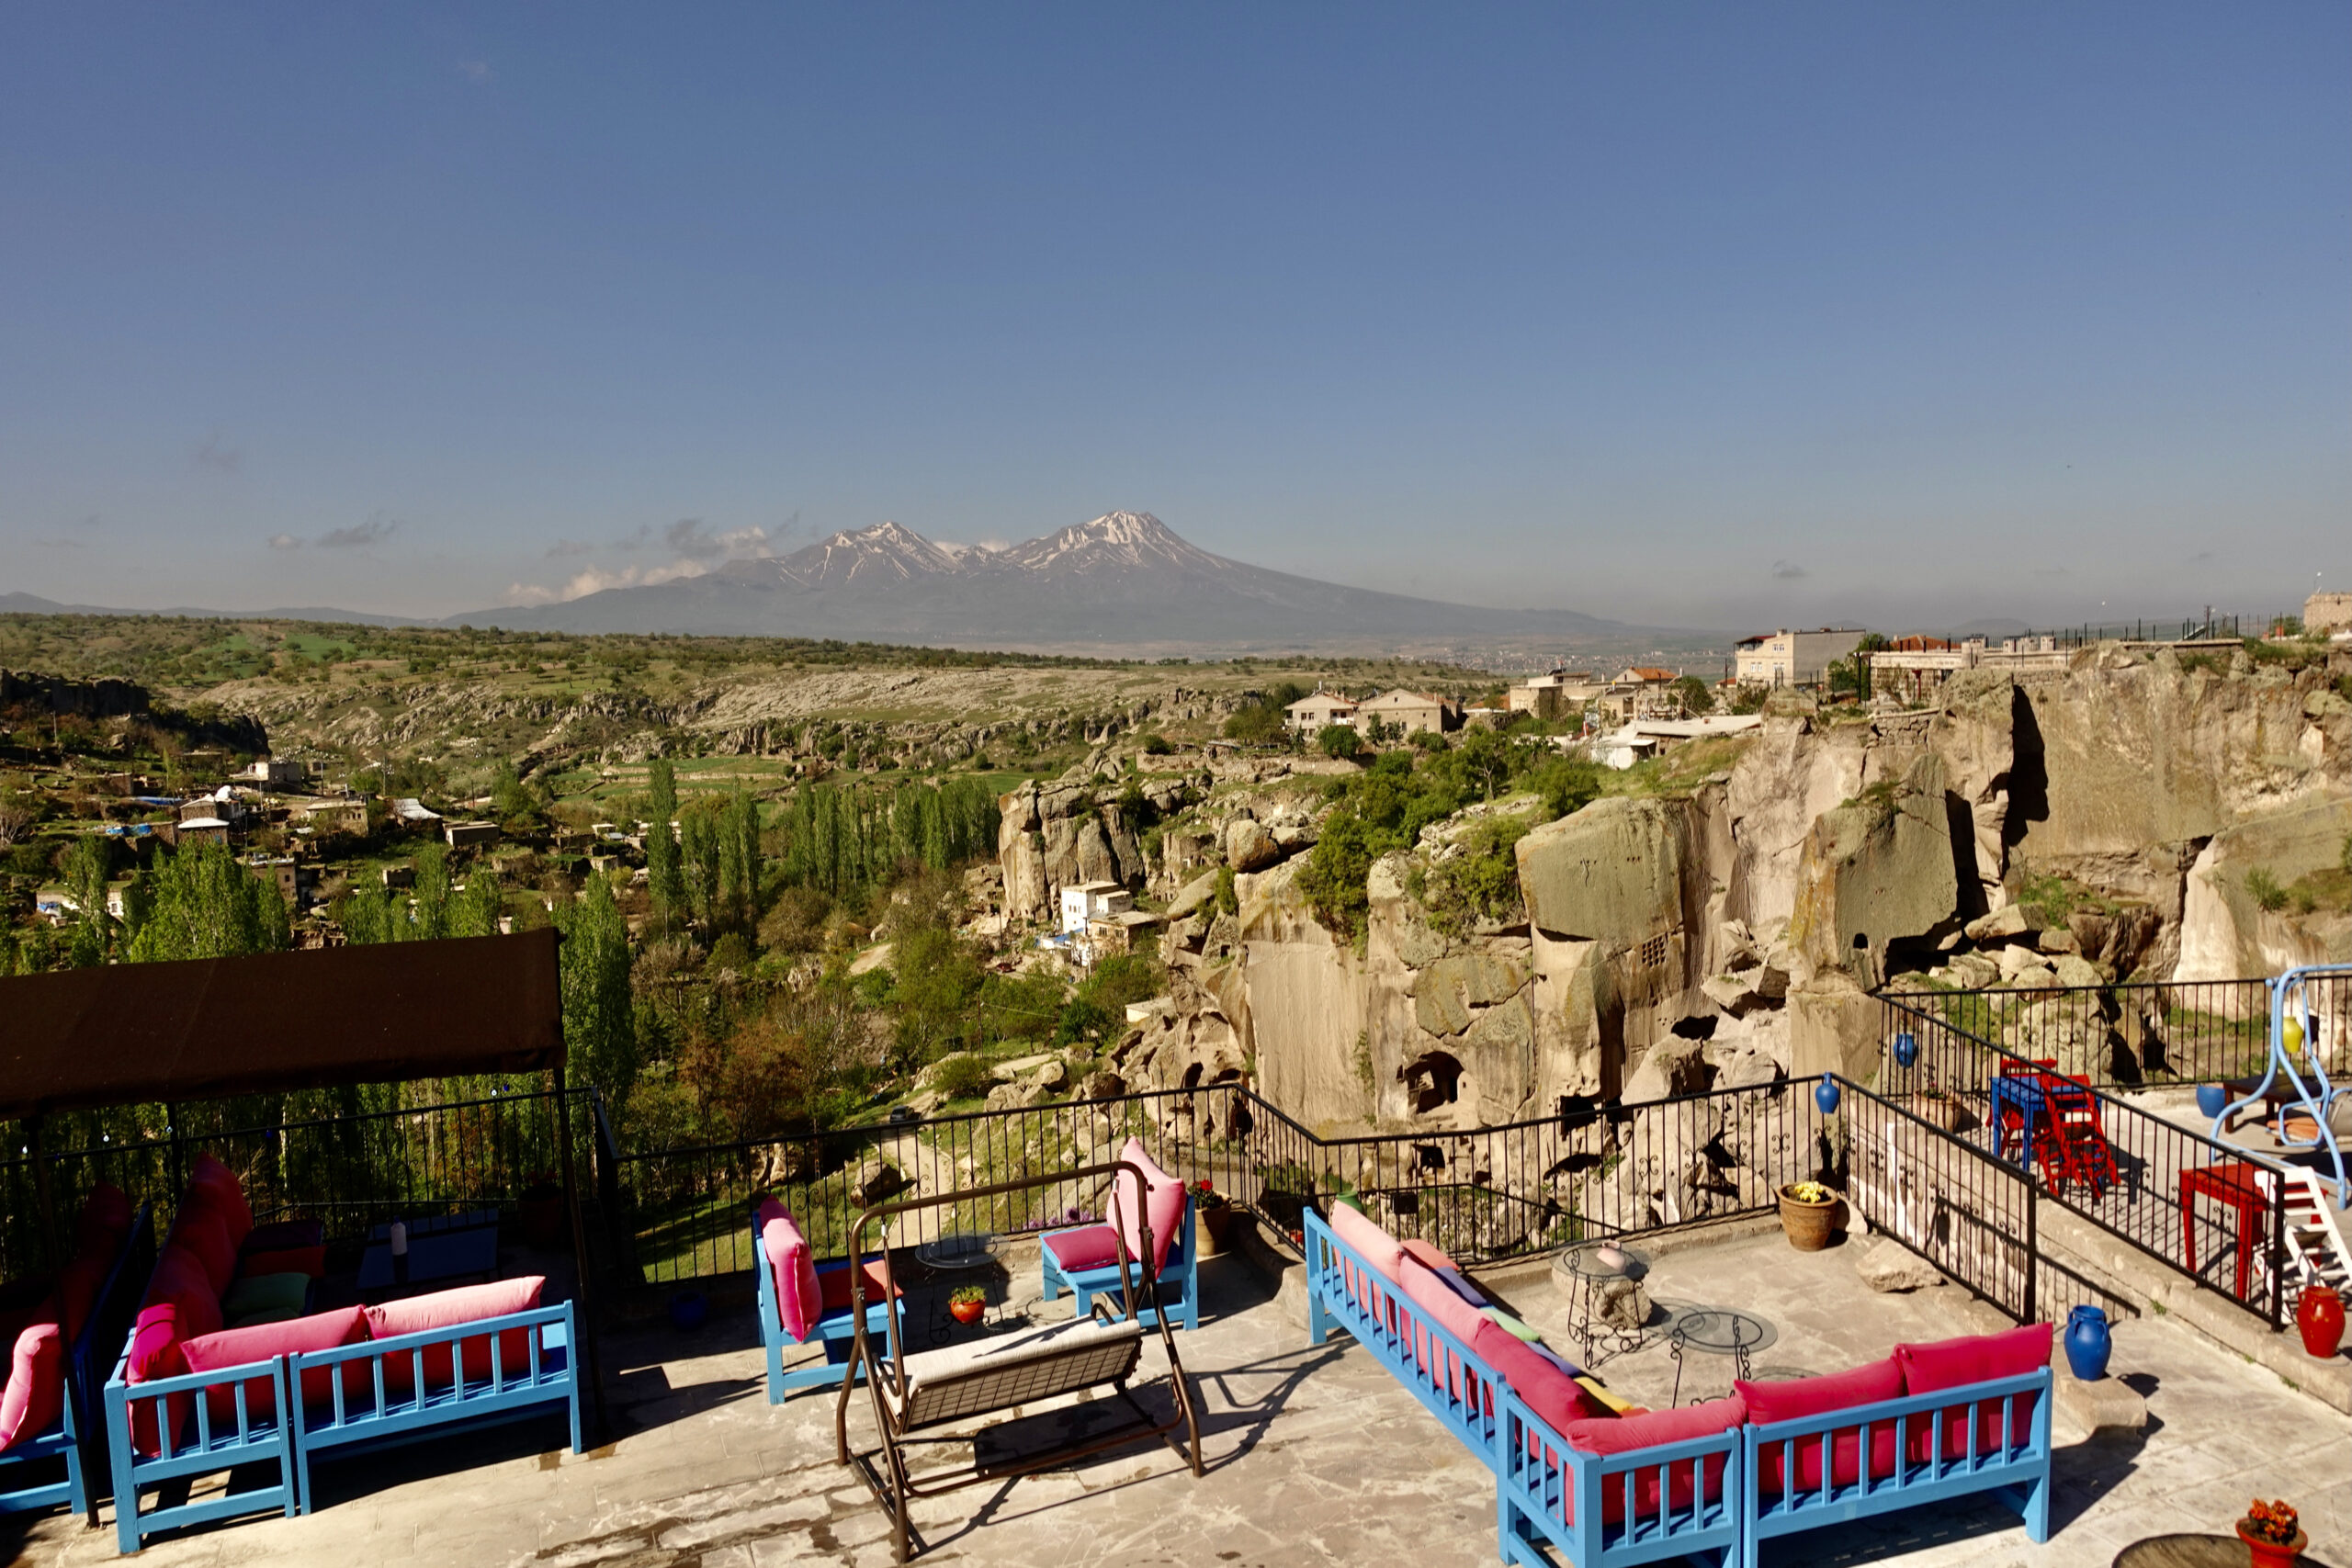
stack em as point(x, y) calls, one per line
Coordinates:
point(1086, 1247)
point(1555, 1396)
point(78, 1284)
point(833, 1283)
point(1376, 1246)
point(1656, 1429)
point(1428, 1290)
point(1799, 1398)
point(455, 1309)
point(1428, 1256)
point(35, 1396)
point(180, 1279)
point(155, 1354)
point(1975, 1357)
point(1162, 1205)
point(799, 1299)
point(219, 1184)
point(999, 1372)
point(267, 1298)
point(201, 1229)
point(266, 1342)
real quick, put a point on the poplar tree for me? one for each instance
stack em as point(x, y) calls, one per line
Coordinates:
point(664, 874)
point(207, 906)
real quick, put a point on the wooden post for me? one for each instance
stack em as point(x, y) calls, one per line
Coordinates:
point(581, 1290)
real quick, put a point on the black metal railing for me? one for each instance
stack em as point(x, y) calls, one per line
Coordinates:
point(2207, 1211)
point(2129, 1035)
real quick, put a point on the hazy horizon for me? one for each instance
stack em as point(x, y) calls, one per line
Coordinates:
point(1695, 316)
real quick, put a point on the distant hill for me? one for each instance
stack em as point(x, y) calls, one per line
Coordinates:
point(33, 604)
point(1125, 580)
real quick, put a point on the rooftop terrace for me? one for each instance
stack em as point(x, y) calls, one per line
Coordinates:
point(1314, 1455)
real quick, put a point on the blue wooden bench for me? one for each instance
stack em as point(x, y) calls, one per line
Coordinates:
point(290, 1434)
point(72, 1443)
point(835, 1330)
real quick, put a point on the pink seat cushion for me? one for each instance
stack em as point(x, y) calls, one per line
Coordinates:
point(1440, 1303)
point(1162, 1208)
point(35, 1396)
point(800, 1297)
point(1425, 1255)
point(1088, 1246)
point(265, 1342)
point(202, 1230)
point(181, 1280)
point(1799, 1398)
point(454, 1309)
point(1976, 1358)
point(155, 1354)
point(1376, 1246)
point(1557, 1399)
point(218, 1182)
point(1654, 1429)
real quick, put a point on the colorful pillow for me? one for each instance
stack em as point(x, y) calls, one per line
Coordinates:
point(1509, 1325)
point(1978, 1358)
point(452, 1309)
point(78, 1284)
point(1552, 1394)
point(1376, 1246)
point(35, 1396)
point(799, 1299)
point(1599, 1390)
point(1452, 1278)
point(219, 1183)
point(201, 1229)
point(1428, 1290)
point(180, 1278)
point(1800, 1398)
point(265, 1298)
point(265, 1342)
point(1654, 1429)
point(1162, 1208)
point(1428, 1256)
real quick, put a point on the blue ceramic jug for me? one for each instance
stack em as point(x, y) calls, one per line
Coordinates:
point(2087, 1345)
point(2212, 1098)
point(1825, 1095)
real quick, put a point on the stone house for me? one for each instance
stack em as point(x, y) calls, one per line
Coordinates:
point(1406, 712)
point(1319, 710)
point(1786, 657)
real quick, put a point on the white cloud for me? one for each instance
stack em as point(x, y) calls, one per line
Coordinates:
point(359, 536)
point(284, 542)
point(596, 578)
point(475, 70)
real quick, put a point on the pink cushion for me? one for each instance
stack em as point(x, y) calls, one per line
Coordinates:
point(1631, 1434)
point(1425, 1255)
point(453, 1309)
point(78, 1284)
point(1376, 1246)
point(106, 1219)
point(1977, 1358)
point(832, 1283)
point(1438, 1301)
point(218, 1182)
point(799, 1296)
point(1164, 1198)
point(1801, 1397)
point(1552, 1394)
point(155, 1353)
point(1088, 1246)
point(180, 1278)
point(201, 1229)
point(35, 1396)
point(265, 1342)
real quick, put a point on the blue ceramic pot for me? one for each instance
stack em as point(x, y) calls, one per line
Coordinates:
point(1906, 1049)
point(2212, 1099)
point(1825, 1095)
point(2087, 1344)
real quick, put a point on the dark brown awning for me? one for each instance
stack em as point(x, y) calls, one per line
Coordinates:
point(212, 1027)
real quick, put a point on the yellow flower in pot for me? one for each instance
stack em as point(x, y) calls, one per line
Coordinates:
point(1807, 1210)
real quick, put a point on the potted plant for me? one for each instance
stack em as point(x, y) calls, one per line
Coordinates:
point(968, 1303)
point(2272, 1535)
point(541, 1209)
point(1806, 1209)
point(1215, 1217)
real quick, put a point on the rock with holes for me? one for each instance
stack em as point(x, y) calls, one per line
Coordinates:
point(1888, 1265)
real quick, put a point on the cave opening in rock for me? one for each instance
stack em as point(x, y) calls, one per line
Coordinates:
point(1433, 1080)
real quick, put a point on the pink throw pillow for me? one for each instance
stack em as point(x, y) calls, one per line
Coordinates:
point(219, 1183)
point(1631, 1434)
point(106, 1219)
point(35, 1396)
point(181, 1279)
point(1164, 1198)
point(265, 1342)
point(1799, 1398)
point(201, 1229)
point(1088, 1246)
point(799, 1298)
point(454, 1309)
point(1557, 1399)
point(1976, 1358)
point(1425, 1255)
point(155, 1354)
point(1376, 1246)
point(1440, 1305)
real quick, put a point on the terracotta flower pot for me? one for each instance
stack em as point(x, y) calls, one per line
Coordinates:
point(2271, 1553)
point(2319, 1316)
point(967, 1313)
point(1216, 1229)
point(1808, 1225)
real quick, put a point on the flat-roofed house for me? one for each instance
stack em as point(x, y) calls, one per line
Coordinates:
point(1793, 659)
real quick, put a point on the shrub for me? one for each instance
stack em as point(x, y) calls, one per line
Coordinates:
point(1482, 882)
point(963, 1077)
point(2263, 887)
point(1157, 746)
point(1228, 898)
point(1339, 740)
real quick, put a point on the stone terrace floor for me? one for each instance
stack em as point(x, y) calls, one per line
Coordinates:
point(1314, 1455)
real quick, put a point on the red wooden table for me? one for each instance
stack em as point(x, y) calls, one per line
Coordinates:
point(2237, 1183)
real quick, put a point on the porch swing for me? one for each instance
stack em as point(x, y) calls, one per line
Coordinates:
point(921, 1393)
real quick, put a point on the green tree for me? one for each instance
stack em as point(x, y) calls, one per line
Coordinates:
point(476, 907)
point(86, 867)
point(207, 906)
point(665, 871)
point(428, 912)
point(599, 1014)
point(1339, 740)
point(1695, 696)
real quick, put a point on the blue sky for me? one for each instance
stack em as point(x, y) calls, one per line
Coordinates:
point(1700, 315)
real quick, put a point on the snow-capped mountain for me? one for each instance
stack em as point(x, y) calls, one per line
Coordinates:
point(1124, 580)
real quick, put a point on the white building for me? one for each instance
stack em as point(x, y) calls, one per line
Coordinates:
point(1317, 711)
point(1084, 901)
point(1793, 659)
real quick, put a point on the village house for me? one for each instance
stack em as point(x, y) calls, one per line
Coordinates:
point(1312, 714)
point(334, 816)
point(1786, 657)
point(1405, 711)
point(1553, 696)
point(275, 773)
point(470, 835)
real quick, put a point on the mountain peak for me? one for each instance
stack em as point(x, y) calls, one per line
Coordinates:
point(885, 550)
point(1111, 542)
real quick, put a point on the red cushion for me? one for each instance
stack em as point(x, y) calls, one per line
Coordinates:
point(218, 1182)
point(1977, 1358)
point(180, 1279)
point(1654, 1429)
point(1441, 1305)
point(1376, 1246)
point(450, 1309)
point(799, 1299)
point(1425, 1255)
point(35, 1396)
point(1556, 1397)
point(155, 1353)
point(1162, 1205)
point(309, 1260)
point(106, 1219)
point(1086, 1247)
point(78, 1284)
point(265, 1342)
point(201, 1228)
point(1802, 1397)
point(833, 1283)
